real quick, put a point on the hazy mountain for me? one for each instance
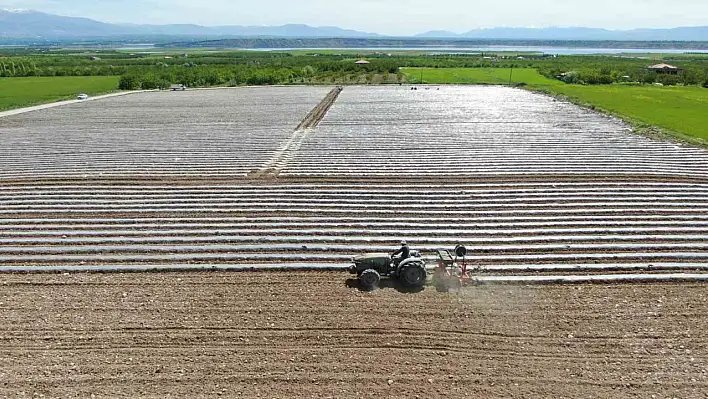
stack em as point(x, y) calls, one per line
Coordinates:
point(697, 33)
point(438, 34)
point(24, 24)
point(34, 24)
point(290, 30)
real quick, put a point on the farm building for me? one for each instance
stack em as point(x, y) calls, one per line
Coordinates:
point(665, 68)
point(362, 62)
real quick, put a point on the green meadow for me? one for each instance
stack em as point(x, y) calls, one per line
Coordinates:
point(23, 92)
point(497, 76)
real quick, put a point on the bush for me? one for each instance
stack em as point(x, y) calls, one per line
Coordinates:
point(649, 78)
point(688, 78)
point(571, 77)
point(129, 82)
point(606, 79)
point(667, 80)
point(594, 78)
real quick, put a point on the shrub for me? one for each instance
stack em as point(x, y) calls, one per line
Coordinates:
point(688, 78)
point(571, 77)
point(667, 80)
point(129, 82)
point(649, 78)
point(605, 79)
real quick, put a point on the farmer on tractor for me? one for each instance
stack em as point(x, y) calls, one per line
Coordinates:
point(408, 268)
point(404, 251)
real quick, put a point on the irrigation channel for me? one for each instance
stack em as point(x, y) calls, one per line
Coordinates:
point(306, 177)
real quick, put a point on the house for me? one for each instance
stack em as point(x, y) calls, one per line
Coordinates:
point(94, 58)
point(362, 62)
point(664, 68)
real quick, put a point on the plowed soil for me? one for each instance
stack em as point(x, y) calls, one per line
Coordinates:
point(311, 334)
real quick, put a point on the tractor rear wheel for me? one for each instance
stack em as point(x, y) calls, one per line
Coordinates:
point(413, 275)
point(369, 279)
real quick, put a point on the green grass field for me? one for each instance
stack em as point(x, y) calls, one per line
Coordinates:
point(475, 75)
point(683, 110)
point(678, 109)
point(23, 92)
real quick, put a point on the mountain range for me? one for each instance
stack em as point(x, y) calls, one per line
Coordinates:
point(33, 24)
point(28, 24)
point(696, 33)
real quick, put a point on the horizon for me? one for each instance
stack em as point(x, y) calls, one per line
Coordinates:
point(387, 18)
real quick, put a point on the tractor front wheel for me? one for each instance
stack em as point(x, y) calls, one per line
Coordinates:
point(369, 279)
point(413, 275)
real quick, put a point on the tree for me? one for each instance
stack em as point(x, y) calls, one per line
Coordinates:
point(129, 82)
point(667, 80)
point(688, 78)
point(649, 77)
point(571, 77)
point(308, 70)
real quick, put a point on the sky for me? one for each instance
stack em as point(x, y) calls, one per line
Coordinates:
point(389, 17)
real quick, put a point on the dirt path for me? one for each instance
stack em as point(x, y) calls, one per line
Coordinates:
point(318, 113)
point(303, 334)
point(272, 168)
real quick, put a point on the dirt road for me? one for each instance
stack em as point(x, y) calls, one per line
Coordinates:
point(308, 334)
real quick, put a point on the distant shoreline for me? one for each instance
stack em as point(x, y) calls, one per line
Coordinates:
point(430, 44)
point(283, 43)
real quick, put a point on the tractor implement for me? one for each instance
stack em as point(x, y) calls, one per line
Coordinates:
point(449, 275)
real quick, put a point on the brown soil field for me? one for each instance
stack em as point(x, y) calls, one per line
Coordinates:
point(311, 334)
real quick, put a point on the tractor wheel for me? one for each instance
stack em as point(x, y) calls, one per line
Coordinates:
point(369, 279)
point(413, 275)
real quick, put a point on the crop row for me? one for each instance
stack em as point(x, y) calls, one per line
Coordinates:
point(379, 131)
point(508, 227)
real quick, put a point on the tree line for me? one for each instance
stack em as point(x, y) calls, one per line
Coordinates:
point(150, 71)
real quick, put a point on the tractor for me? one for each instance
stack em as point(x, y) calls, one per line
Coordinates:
point(409, 272)
point(449, 275)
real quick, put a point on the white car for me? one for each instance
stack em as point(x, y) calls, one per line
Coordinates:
point(82, 96)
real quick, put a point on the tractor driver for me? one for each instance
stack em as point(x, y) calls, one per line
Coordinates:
point(404, 251)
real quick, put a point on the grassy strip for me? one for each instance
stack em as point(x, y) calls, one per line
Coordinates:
point(668, 113)
point(24, 92)
point(475, 76)
point(674, 112)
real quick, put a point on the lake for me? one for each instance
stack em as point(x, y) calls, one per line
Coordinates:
point(533, 49)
